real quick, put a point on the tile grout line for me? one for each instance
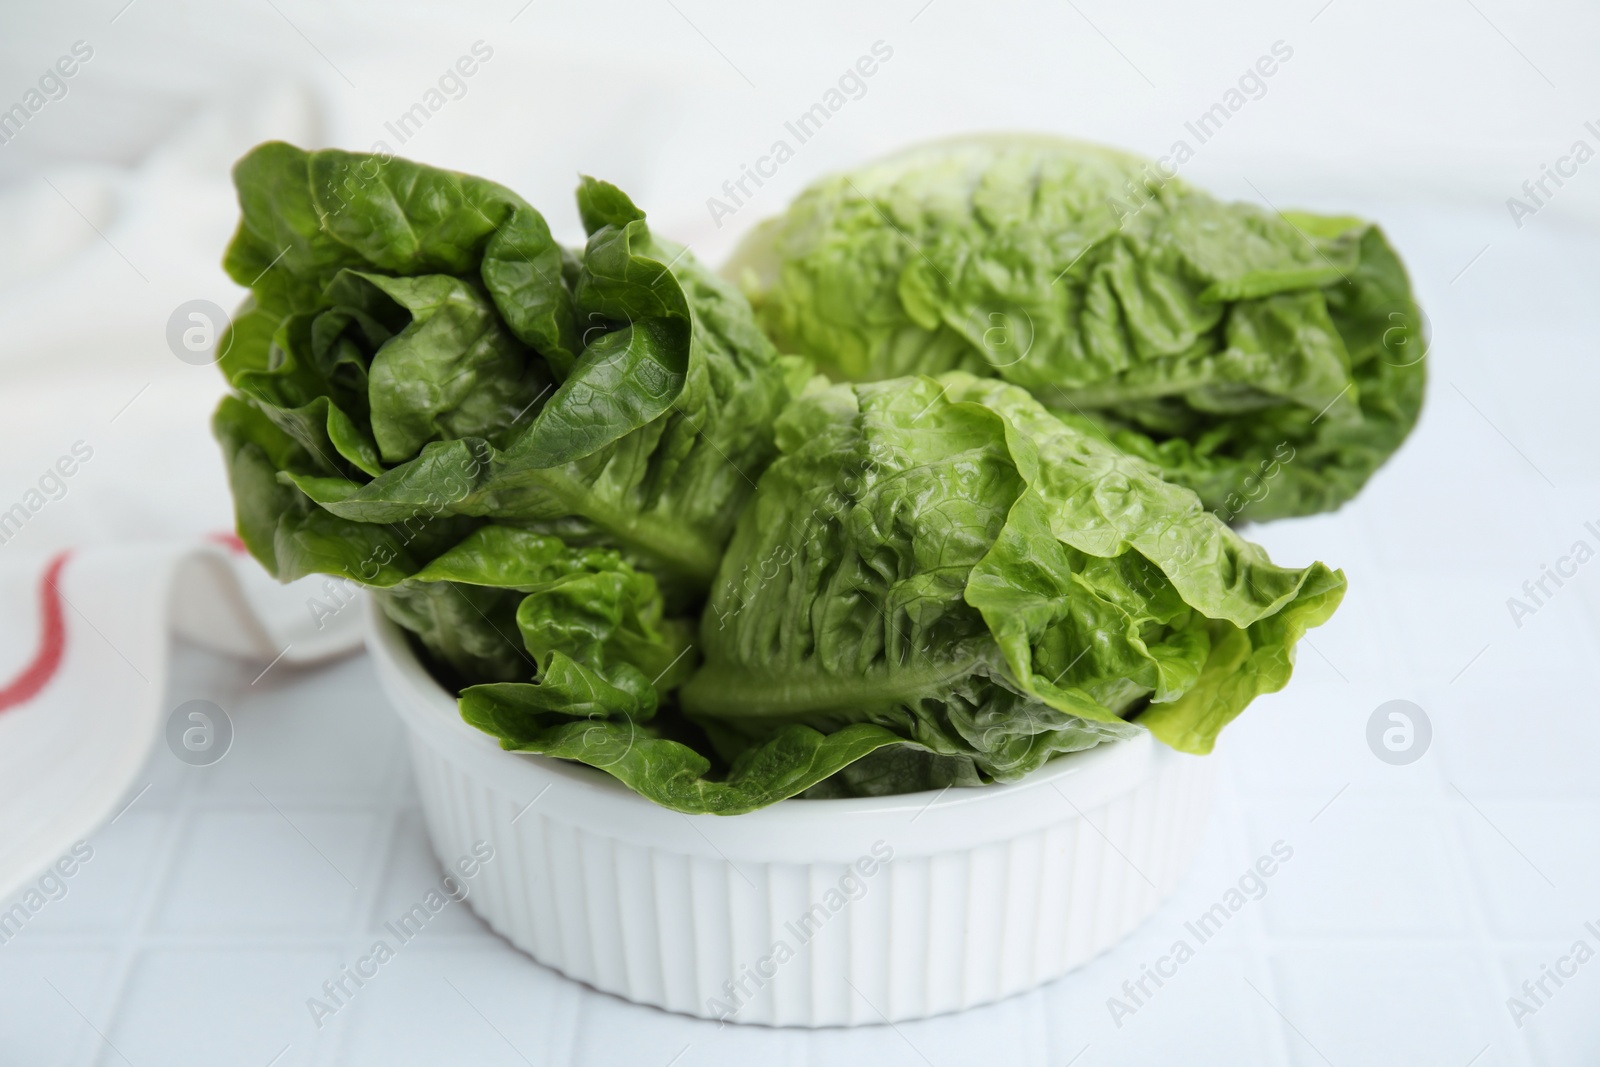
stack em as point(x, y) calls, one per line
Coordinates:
point(1258, 945)
point(394, 805)
point(1488, 945)
point(133, 939)
point(140, 935)
point(1476, 938)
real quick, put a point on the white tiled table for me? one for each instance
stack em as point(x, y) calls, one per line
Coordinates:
point(1418, 899)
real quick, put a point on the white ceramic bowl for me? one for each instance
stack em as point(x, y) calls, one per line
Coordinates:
point(810, 912)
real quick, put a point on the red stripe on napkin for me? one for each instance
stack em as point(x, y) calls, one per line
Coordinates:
point(52, 641)
point(227, 539)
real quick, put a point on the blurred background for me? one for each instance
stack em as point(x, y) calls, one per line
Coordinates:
point(1427, 894)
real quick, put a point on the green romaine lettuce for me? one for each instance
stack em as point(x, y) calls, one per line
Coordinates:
point(434, 353)
point(1269, 362)
point(533, 457)
point(947, 561)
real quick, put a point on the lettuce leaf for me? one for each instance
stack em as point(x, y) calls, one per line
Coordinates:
point(1269, 362)
point(944, 559)
point(434, 353)
point(306, 216)
point(532, 457)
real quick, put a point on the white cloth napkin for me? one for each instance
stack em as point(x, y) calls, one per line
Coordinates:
point(83, 674)
point(114, 512)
